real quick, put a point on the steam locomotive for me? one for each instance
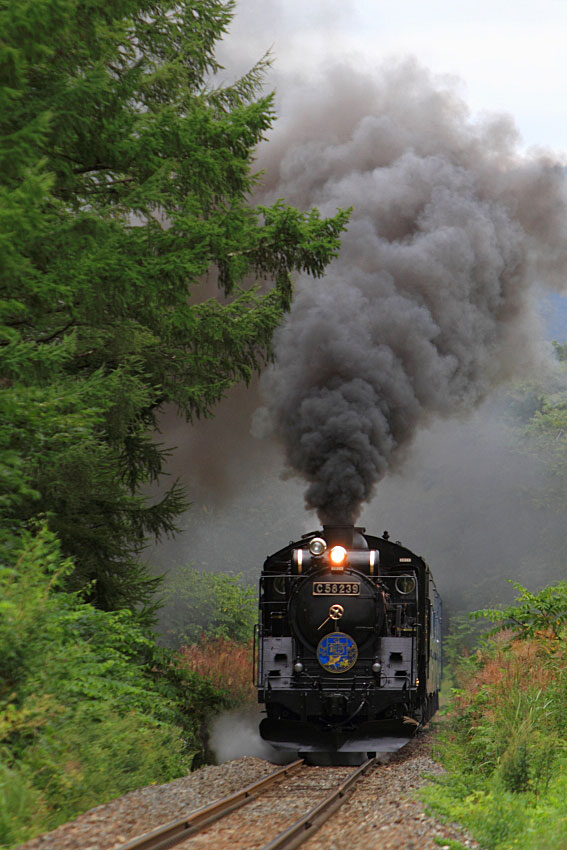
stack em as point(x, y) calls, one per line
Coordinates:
point(348, 645)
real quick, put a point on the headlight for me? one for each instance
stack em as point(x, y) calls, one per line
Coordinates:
point(338, 555)
point(317, 546)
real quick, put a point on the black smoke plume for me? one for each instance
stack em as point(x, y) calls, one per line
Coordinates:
point(430, 304)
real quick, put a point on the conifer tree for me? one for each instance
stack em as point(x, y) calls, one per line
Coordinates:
point(125, 180)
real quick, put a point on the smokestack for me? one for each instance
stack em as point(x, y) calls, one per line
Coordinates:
point(430, 303)
point(339, 535)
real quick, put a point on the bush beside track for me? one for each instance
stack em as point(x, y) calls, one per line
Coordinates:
point(90, 707)
point(504, 742)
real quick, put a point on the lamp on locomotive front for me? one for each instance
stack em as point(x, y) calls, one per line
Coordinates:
point(337, 557)
point(317, 547)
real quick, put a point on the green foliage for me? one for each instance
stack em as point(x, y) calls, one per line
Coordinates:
point(529, 760)
point(97, 754)
point(545, 611)
point(504, 743)
point(500, 819)
point(537, 427)
point(541, 431)
point(89, 709)
point(196, 698)
point(460, 643)
point(125, 179)
point(560, 350)
point(212, 603)
point(494, 817)
point(22, 809)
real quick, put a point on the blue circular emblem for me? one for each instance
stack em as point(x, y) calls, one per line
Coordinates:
point(337, 652)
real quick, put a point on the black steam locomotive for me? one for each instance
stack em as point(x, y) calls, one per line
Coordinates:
point(348, 647)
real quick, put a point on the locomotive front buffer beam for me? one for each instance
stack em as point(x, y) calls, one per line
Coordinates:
point(375, 736)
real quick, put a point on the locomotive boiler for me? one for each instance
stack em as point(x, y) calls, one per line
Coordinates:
point(348, 645)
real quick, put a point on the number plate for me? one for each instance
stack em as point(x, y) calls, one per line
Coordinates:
point(336, 588)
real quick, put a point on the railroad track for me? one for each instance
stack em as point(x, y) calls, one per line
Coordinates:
point(181, 830)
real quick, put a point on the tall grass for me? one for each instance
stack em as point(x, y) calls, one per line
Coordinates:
point(225, 662)
point(504, 742)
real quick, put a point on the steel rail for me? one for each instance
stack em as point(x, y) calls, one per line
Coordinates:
point(304, 828)
point(176, 831)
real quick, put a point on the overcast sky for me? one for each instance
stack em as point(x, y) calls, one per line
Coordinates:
point(510, 55)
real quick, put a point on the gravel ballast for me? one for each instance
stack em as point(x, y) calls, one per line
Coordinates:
point(381, 813)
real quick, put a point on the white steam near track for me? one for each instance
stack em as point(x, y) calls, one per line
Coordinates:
point(236, 734)
point(430, 303)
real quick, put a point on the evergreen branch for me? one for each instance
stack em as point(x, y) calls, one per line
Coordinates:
point(127, 104)
point(56, 333)
point(108, 185)
point(99, 166)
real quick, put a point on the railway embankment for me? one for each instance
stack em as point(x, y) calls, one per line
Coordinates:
point(503, 742)
point(383, 809)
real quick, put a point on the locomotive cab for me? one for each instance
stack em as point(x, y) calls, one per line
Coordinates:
point(347, 650)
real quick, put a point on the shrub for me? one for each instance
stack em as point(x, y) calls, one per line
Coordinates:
point(504, 743)
point(23, 809)
point(89, 708)
point(226, 663)
point(95, 753)
point(214, 603)
point(505, 693)
point(527, 762)
point(544, 612)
